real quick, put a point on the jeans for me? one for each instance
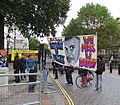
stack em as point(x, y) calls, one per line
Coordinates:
point(99, 82)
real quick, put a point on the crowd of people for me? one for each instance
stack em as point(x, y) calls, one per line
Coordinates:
point(22, 65)
point(3, 61)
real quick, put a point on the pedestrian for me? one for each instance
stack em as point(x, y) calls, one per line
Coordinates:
point(45, 73)
point(3, 62)
point(16, 67)
point(53, 64)
point(22, 66)
point(99, 72)
point(68, 73)
point(45, 76)
point(56, 71)
point(30, 66)
point(110, 63)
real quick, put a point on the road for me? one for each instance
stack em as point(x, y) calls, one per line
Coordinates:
point(87, 96)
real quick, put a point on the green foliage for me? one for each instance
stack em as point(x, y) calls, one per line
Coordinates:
point(94, 18)
point(34, 17)
point(34, 43)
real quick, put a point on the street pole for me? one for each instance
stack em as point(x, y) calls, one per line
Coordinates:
point(14, 38)
point(42, 55)
point(8, 41)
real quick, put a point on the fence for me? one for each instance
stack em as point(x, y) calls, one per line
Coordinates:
point(17, 93)
point(107, 55)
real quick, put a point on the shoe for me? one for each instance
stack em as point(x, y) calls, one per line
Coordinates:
point(99, 90)
point(31, 91)
point(96, 90)
point(55, 78)
point(67, 83)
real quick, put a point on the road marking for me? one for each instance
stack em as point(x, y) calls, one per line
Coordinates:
point(68, 98)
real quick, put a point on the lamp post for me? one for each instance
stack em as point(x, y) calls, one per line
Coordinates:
point(14, 38)
point(8, 42)
point(42, 49)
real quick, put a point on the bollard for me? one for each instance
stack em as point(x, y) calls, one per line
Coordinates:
point(119, 69)
point(110, 67)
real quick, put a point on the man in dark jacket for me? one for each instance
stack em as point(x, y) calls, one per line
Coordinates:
point(22, 66)
point(99, 72)
point(16, 67)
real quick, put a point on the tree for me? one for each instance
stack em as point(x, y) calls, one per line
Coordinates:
point(94, 18)
point(34, 43)
point(34, 17)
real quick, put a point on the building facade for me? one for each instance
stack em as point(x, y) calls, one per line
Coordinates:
point(16, 42)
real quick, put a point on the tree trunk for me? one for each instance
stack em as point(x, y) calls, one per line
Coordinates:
point(1, 32)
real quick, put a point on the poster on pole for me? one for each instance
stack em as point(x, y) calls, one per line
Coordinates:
point(78, 51)
point(33, 53)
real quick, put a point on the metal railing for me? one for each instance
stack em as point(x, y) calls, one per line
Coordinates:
point(18, 94)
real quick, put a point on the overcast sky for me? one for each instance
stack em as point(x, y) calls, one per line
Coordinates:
point(112, 5)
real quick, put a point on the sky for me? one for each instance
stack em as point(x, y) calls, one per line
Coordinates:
point(112, 5)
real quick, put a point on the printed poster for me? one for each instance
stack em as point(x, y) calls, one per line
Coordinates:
point(78, 51)
point(33, 53)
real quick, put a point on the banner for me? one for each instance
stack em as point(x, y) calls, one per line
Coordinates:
point(33, 53)
point(3, 52)
point(78, 51)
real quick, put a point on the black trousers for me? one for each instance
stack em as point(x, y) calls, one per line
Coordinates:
point(69, 77)
point(22, 70)
point(17, 78)
point(32, 78)
point(56, 73)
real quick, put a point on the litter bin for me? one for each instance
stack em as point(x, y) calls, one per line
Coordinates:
point(119, 69)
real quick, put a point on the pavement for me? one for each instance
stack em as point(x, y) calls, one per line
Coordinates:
point(51, 94)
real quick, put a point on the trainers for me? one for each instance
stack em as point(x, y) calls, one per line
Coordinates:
point(99, 90)
point(70, 84)
point(96, 90)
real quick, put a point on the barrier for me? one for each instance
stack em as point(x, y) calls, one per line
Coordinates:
point(3, 80)
point(18, 94)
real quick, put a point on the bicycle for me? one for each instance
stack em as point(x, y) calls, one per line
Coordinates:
point(84, 78)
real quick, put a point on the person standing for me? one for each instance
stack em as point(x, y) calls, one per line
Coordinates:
point(53, 64)
point(45, 76)
point(22, 66)
point(99, 72)
point(30, 66)
point(68, 73)
point(110, 63)
point(16, 67)
point(56, 71)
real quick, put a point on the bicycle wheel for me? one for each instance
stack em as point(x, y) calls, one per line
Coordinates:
point(91, 77)
point(78, 81)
